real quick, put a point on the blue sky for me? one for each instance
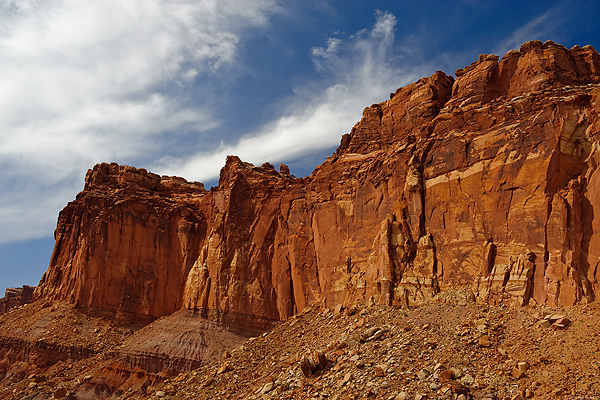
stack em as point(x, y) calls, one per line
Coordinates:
point(175, 86)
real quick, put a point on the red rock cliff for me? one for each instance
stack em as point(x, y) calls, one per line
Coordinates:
point(488, 181)
point(126, 243)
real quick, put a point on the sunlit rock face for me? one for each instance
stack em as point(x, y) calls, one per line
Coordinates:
point(488, 181)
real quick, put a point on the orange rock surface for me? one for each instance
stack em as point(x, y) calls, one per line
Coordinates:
point(487, 181)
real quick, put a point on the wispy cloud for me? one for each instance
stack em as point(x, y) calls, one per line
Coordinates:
point(327, 51)
point(540, 28)
point(89, 81)
point(357, 70)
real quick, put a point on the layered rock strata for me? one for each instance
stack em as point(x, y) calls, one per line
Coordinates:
point(488, 181)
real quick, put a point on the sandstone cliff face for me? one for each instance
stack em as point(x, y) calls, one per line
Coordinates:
point(126, 243)
point(517, 158)
point(489, 181)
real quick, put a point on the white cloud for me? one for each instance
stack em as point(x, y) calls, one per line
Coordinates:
point(360, 70)
point(332, 48)
point(539, 28)
point(90, 81)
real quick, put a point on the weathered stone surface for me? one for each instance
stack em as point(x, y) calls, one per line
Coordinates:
point(15, 297)
point(487, 181)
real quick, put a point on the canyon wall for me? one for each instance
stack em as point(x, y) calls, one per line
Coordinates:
point(488, 181)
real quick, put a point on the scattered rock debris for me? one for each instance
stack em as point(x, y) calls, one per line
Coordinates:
point(444, 349)
point(381, 352)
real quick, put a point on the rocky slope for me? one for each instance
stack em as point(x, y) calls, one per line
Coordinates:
point(446, 348)
point(485, 183)
point(443, 349)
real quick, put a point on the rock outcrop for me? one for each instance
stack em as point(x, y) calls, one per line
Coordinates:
point(487, 181)
point(126, 244)
point(15, 297)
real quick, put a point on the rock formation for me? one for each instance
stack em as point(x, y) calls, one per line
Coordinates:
point(126, 243)
point(15, 297)
point(487, 181)
point(484, 185)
